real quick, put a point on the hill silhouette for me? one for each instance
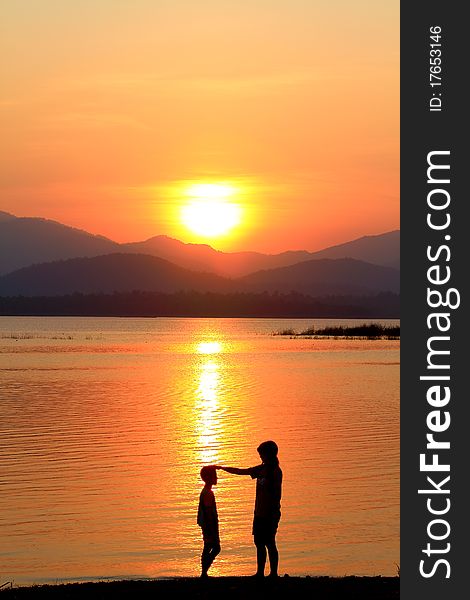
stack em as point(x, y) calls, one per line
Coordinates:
point(31, 240)
point(383, 249)
point(126, 272)
point(5, 216)
point(202, 257)
point(28, 240)
point(325, 276)
point(107, 274)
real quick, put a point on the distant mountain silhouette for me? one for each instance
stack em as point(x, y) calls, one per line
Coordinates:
point(108, 274)
point(202, 257)
point(128, 272)
point(30, 240)
point(4, 216)
point(324, 277)
point(383, 249)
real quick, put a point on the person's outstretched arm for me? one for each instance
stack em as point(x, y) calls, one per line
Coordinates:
point(234, 470)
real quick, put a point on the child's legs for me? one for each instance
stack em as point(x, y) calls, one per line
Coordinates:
point(210, 551)
point(205, 557)
point(215, 550)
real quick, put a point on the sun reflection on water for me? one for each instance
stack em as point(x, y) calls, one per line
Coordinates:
point(209, 348)
point(207, 410)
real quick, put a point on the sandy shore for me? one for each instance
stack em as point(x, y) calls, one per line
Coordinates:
point(223, 588)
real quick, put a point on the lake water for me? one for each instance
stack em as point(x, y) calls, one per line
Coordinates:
point(105, 424)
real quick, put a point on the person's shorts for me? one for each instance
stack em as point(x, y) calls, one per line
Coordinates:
point(264, 529)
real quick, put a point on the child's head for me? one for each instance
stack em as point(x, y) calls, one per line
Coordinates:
point(209, 475)
point(268, 452)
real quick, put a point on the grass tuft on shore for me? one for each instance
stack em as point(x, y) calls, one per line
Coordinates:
point(369, 331)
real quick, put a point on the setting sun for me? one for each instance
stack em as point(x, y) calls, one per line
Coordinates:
point(210, 212)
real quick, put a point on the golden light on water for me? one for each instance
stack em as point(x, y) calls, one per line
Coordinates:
point(209, 348)
point(207, 421)
point(207, 412)
point(208, 383)
point(211, 210)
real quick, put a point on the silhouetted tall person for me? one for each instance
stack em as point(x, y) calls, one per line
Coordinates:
point(267, 512)
point(208, 519)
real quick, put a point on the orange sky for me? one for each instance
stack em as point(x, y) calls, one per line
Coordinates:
point(109, 106)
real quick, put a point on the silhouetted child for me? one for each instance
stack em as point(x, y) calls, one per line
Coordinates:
point(268, 477)
point(208, 519)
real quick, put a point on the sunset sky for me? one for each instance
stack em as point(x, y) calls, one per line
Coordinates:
point(124, 117)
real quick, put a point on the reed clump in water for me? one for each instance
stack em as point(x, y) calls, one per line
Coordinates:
point(369, 331)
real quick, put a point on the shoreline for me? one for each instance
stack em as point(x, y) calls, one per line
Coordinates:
point(246, 588)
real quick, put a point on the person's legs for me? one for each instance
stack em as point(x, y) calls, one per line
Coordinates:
point(215, 550)
point(260, 557)
point(271, 546)
point(206, 560)
point(273, 557)
point(211, 550)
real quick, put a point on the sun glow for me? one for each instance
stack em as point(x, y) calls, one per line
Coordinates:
point(210, 211)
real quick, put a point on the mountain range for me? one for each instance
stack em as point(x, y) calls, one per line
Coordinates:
point(127, 272)
point(39, 257)
point(29, 240)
